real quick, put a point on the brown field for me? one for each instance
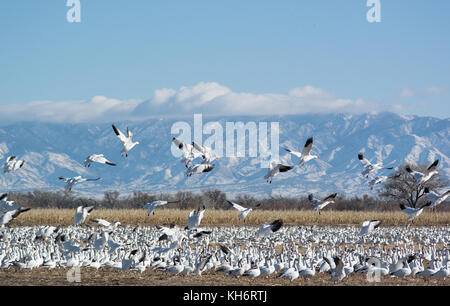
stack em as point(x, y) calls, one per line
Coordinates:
point(112, 277)
point(229, 217)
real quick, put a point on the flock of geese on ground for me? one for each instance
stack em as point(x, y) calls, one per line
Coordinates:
point(237, 251)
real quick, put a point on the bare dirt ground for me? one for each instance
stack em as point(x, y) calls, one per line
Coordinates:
point(112, 277)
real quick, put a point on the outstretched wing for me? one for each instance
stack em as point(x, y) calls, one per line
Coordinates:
point(90, 180)
point(119, 134)
point(308, 146)
point(363, 160)
point(433, 165)
point(331, 197)
point(298, 154)
point(236, 206)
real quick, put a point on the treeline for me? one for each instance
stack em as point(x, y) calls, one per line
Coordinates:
point(211, 198)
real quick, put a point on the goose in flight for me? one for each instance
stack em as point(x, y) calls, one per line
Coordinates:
point(305, 155)
point(338, 273)
point(12, 164)
point(188, 151)
point(368, 226)
point(97, 158)
point(127, 141)
point(413, 212)
point(244, 211)
point(368, 167)
point(377, 180)
point(320, 204)
point(195, 217)
point(269, 228)
point(422, 178)
point(81, 214)
point(274, 169)
point(152, 205)
point(206, 153)
point(199, 168)
point(105, 223)
point(6, 217)
point(436, 198)
point(74, 180)
point(7, 205)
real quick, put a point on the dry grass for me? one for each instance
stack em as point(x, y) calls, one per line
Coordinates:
point(229, 217)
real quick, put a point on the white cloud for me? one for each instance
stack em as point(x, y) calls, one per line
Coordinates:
point(207, 98)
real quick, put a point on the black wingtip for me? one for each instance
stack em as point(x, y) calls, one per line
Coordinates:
point(360, 156)
point(115, 130)
point(309, 141)
point(436, 162)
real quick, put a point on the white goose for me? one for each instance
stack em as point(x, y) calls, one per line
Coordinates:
point(269, 228)
point(274, 169)
point(152, 205)
point(206, 153)
point(12, 164)
point(188, 151)
point(81, 214)
point(368, 167)
point(127, 141)
point(97, 158)
point(413, 212)
point(195, 217)
point(6, 217)
point(320, 204)
point(422, 178)
point(199, 168)
point(368, 226)
point(436, 198)
point(7, 205)
point(243, 211)
point(74, 180)
point(305, 155)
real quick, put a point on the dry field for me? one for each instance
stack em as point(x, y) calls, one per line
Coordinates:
point(229, 217)
point(112, 277)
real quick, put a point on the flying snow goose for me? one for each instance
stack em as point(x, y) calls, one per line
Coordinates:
point(274, 169)
point(127, 141)
point(422, 178)
point(199, 168)
point(206, 153)
point(97, 158)
point(7, 205)
point(151, 206)
point(338, 272)
point(244, 211)
point(368, 167)
point(195, 217)
point(12, 164)
point(105, 223)
point(436, 198)
point(377, 180)
point(81, 213)
point(6, 217)
point(74, 180)
point(188, 151)
point(368, 226)
point(305, 155)
point(269, 228)
point(413, 212)
point(320, 204)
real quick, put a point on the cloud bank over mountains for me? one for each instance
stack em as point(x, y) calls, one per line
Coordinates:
point(208, 98)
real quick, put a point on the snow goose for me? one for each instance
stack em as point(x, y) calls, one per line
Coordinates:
point(105, 223)
point(320, 204)
point(97, 158)
point(12, 164)
point(127, 141)
point(377, 180)
point(413, 212)
point(199, 168)
point(152, 205)
point(6, 217)
point(368, 226)
point(338, 273)
point(368, 167)
point(436, 198)
point(7, 205)
point(422, 178)
point(269, 228)
point(305, 155)
point(205, 152)
point(188, 151)
point(74, 180)
point(81, 214)
point(243, 211)
point(195, 217)
point(274, 169)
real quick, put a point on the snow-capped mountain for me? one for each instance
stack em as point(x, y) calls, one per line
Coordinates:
point(51, 150)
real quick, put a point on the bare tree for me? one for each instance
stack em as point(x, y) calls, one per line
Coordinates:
point(402, 186)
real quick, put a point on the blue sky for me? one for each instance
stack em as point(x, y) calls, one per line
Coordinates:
point(126, 50)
